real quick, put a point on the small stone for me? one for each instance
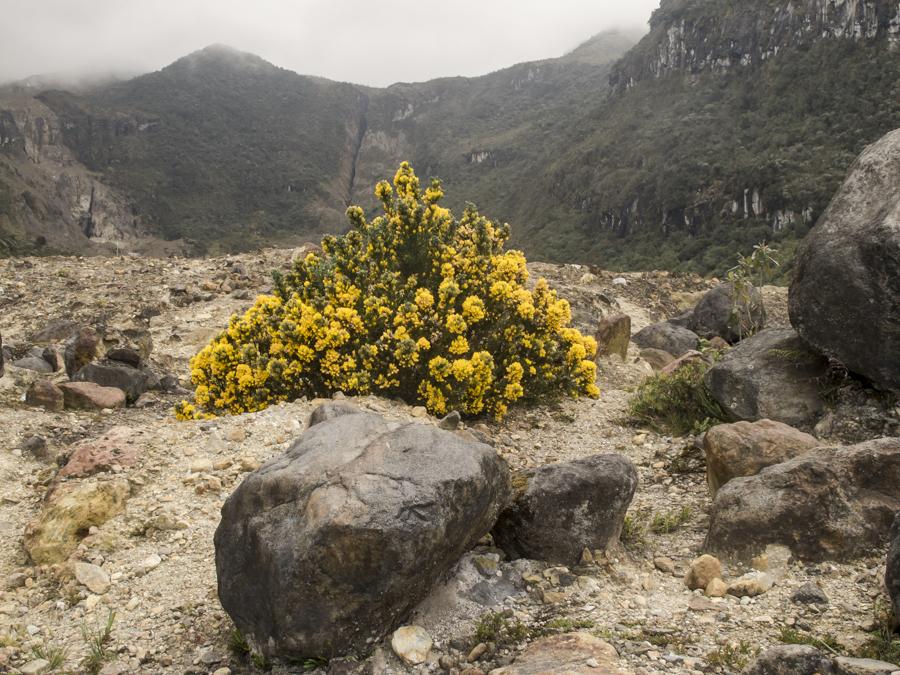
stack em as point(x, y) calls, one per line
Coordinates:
point(716, 588)
point(90, 396)
point(552, 597)
point(248, 463)
point(477, 652)
point(45, 394)
point(587, 558)
point(93, 577)
point(419, 411)
point(703, 570)
point(809, 594)
point(36, 446)
point(451, 421)
point(412, 644)
point(236, 435)
point(149, 563)
point(201, 466)
point(750, 585)
point(664, 564)
point(35, 667)
point(222, 671)
point(487, 565)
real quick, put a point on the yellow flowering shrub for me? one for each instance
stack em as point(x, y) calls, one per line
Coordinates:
point(414, 304)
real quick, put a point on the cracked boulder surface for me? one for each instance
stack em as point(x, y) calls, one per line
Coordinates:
point(353, 524)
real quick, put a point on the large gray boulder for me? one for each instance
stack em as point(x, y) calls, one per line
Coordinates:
point(330, 546)
point(772, 375)
point(845, 296)
point(828, 504)
point(561, 509)
point(806, 660)
point(731, 315)
point(666, 336)
point(892, 575)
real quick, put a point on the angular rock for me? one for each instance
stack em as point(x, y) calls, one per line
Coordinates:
point(892, 573)
point(829, 504)
point(68, 515)
point(668, 337)
point(702, 572)
point(35, 667)
point(790, 660)
point(848, 665)
point(716, 588)
point(354, 524)
point(684, 360)
point(613, 335)
point(81, 348)
point(126, 355)
point(657, 358)
point(772, 375)
point(55, 331)
point(35, 363)
point(36, 446)
point(2, 358)
point(750, 585)
point(746, 448)
point(54, 357)
point(561, 509)
point(90, 396)
point(720, 313)
point(45, 394)
point(809, 593)
point(845, 296)
point(114, 448)
point(93, 577)
point(571, 654)
point(412, 644)
point(330, 410)
point(133, 381)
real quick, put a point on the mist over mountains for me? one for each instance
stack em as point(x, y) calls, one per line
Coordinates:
point(719, 128)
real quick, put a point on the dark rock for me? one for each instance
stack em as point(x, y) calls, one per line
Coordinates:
point(125, 355)
point(35, 363)
point(451, 421)
point(44, 394)
point(330, 410)
point(845, 296)
point(561, 509)
point(82, 348)
point(668, 337)
point(720, 313)
point(37, 447)
point(354, 524)
point(55, 331)
point(2, 357)
point(892, 573)
point(829, 504)
point(613, 335)
point(54, 356)
point(809, 594)
point(133, 381)
point(772, 375)
point(791, 660)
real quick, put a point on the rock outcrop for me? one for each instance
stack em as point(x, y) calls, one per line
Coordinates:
point(805, 660)
point(561, 509)
point(133, 381)
point(731, 316)
point(331, 545)
point(745, 449)
point(666, 336)
point(892, 574)
point(571, 653)
point(829, 504)
point(845, 297)
point(772, 375)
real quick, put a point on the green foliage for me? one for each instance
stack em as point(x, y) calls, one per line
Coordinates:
point(669, 521)
point(55, 656)
point(501, 628)
point(238, 644)
point(98, 642)
point(829, 643)
point(734, 656)
point(678, 403)
point(412, 304)
point(634, 530)
point(883, 643)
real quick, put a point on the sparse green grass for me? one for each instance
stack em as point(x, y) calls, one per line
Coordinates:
point(563, 625)
point(829, 643)
point(678, 403)
point(669, 521)
point(238, 644)
point(883, 644)
point(634, 530)
point(500, 628)
point(55, 656)
point(98, 642)
point(734, 656)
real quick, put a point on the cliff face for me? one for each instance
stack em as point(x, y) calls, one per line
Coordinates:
point(695, 36)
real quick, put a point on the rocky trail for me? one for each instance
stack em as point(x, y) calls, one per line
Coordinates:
point(151, 490)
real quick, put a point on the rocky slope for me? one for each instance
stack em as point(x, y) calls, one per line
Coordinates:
point(155, 555)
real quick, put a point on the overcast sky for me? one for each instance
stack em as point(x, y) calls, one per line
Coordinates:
point(374, 42)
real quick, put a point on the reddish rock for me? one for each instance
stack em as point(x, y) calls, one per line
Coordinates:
point(44, 394)
point(90, 396)
point(114, 448)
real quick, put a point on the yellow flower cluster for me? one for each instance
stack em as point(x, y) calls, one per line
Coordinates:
point(414, 304)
